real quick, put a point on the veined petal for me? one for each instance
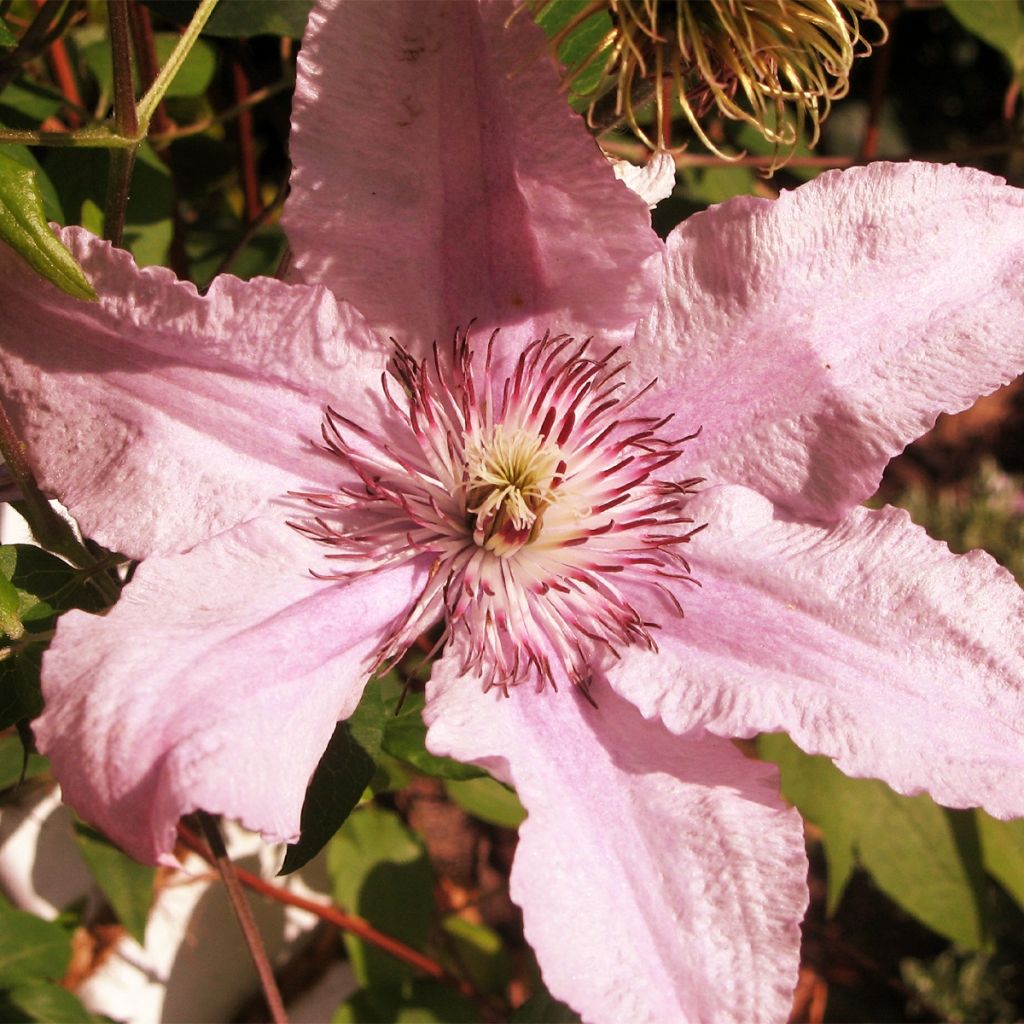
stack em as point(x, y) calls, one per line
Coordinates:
point(214, 683)
point(652, 181)
point(159, 416)
point(660, 877)
point(868, 642)
point(440, 129)
point(814, 336)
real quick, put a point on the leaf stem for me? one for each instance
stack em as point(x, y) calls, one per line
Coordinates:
point(230, 876)
point(347, 922)
point(155, 93)
point(97, 137)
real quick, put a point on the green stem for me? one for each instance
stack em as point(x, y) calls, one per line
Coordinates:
point(155, 93)
point(88, 138)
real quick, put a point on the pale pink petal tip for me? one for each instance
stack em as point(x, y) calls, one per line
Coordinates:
point(652, 181)
point(440, 127)
point(867, 641)
point(173, 416)
point(660, 878)
point(814, 336)
point(214, 683)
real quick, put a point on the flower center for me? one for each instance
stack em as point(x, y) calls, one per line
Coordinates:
point(536, 495)
point(512, 479)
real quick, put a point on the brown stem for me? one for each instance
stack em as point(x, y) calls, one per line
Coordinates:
point(122, 161)
point(251, 228)
point(145, 56)
point(144, 44)
point(1010, 101)
point(230, 875)
point(879, 85)
point(31, 44)
point(347, 922)
point(64, 76)
point(125, 117)
point(119, 180)
point(246, 141)
point(198, 127)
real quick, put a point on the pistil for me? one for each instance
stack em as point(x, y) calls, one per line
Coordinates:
point(536, 495)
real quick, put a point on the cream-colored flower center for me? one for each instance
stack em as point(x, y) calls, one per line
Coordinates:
point(512, 478)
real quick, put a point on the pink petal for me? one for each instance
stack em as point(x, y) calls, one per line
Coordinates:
point(159, 416)
point(439, 175)
point(214, 683)
point(652, 181)
point(660, 877)
point(868, 642)
point(814, 336)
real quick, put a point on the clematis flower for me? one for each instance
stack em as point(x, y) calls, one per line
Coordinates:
point(308, 496)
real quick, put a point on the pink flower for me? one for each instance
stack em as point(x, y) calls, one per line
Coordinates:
point(536, 495)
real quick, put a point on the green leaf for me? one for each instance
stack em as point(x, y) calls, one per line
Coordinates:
point(45, 584)
point(48, 584)
point(31, 948)
point(192, 79)
point(52, 207)
point(1000, 23)
point(717, 184)
point(344, 772)
point(923, 857)
point(422, 1002)
point(12, 761)
point(20, 696)
point(581, 42)
point(7, 37)
point(405, 738)
point(928, 860)
point(1002, 850)
point(26, 103)
point(817, 788)
point(477, 953)
point(242, 18)
point(488, 800)
point(379, 869)
point(127, 884)
point(23, 226)
point(49, 1004)
point(81, 177)
point(194, 76)
point(10, 603)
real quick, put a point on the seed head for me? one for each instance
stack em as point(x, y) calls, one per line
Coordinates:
point(751, 60)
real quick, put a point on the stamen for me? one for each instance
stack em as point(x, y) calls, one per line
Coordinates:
point(533, 493)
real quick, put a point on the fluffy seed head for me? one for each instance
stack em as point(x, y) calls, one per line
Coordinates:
point(537, 494)
point(752, 60)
